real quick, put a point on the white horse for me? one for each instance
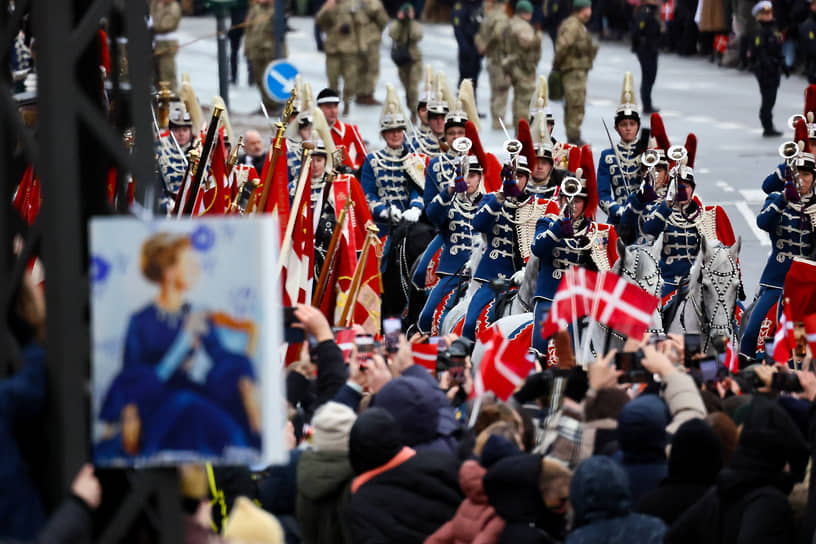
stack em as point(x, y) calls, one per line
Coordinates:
point(714, 284)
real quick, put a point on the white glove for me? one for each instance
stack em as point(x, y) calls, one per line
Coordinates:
point(392, 213)
point(518, 277)
point(412, 214)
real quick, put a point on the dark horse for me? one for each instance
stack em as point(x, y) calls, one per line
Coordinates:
point(405, 246)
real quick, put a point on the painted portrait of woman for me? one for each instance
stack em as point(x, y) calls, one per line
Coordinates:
point(157, 402)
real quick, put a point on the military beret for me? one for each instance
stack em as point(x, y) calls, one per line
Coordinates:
point(524, 6)
point(581, 4)
point(406, 7)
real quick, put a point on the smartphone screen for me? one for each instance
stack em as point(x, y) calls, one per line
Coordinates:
point(457, 375)
point(630, 364)
point(365, 343)
point(392, 328)
point(708, 369)
point(291, 335)
point(439, 341)
point(691, 347)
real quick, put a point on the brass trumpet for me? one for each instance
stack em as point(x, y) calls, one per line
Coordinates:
point(462, 146)
point(649, 160)
point(570, 188)
point(793, 118)
point(790, 152)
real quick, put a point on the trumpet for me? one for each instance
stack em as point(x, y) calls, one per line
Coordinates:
point(649, 160)
point(570, 188)
point(512, 147)
point(793, 118)
point(462, 146)
point(790, 152)
point(677, 153)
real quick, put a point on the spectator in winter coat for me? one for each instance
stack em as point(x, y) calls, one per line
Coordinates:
point(642, 435)
point(694, 462)
point(476, 521)
point(324, 477)
point(600, 498)
point(513, 487)
point(749, 503)
point(399, 494)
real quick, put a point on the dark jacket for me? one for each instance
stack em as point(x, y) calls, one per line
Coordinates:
point(406, 503)
point(323, 491)
point(646, 30)
point(694, 462)
point(750, 501)
point(21, 396)
point(642, 436)
point(765, 54)
point(331, 377)
point(599, 493)
point(512, 487)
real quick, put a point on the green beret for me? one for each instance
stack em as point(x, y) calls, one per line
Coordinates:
point(406, 7)
point(524, 6)
point(581, 4)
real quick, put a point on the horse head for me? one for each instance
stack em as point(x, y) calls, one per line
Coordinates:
point(714, 285)
point(640, 264)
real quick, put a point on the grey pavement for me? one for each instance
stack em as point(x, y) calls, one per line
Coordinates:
point(719, 105)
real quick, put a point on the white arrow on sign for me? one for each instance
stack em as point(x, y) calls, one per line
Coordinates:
point(288, 84)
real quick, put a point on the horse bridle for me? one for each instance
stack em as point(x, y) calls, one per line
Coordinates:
point(716, 280)
point(645, 282)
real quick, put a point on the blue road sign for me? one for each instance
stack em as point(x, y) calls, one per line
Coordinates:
point(279, 80)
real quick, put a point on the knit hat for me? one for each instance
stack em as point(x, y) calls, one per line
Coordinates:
point(581, 4)
point(696, 453)
point(496, 448)
point(249, 524)
point(412, 402)
point(642, 429)
point(332, 424)
point(524, 6)
point(374, 440)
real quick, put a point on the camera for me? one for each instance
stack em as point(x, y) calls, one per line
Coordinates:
point(453, 358)
point(631, 363)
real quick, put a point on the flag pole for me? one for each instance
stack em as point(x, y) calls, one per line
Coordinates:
point(356, 282)
point(585, 355)
point(575, 332)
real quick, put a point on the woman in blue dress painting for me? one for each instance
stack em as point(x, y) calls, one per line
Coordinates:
point(159, 406)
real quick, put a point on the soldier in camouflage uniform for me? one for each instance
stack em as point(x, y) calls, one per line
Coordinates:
point(342, 47)
point(372, 19)
point(259, 43)
point(487, 42)
point(521, 52)
point(166, 15)
point(406, 32)
point(574, 54)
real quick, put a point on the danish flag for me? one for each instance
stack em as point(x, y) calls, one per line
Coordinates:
point(810, 332)
point(345, 341)
point(504, 367)
point(667, 11)
point(785, 338)
point(731, 357)
point(425, 356)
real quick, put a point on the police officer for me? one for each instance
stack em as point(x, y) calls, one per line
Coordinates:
point(521, 48)
point(467, 17)
point(488, 42)
point(574, 54)
point(259, 44)
point(790, 223)
point(618, 165)
point(390, 176)
point(767, 62)
point(646, 35)
point(571, 239)
point(452, 211)
point(166, 15)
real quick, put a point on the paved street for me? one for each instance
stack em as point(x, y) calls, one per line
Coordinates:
point(719, 105)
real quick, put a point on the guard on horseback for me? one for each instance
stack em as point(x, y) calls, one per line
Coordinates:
point(392, 177)
point(507, 218)
point(804, 127)
point(789, 216)
point(545, 178)
point(432, 108)
point(618, 165)
point(452, 211)
point(571, 239)
point(684, 224)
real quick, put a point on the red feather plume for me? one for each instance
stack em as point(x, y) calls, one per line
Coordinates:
point(491, 166)
point(800, 133)
point(810, 99)
point(588, 168)
point(525, 136)
point(691, 147)
point(574, 162)
point(659, 132)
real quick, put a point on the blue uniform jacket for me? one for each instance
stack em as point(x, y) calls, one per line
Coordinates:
point(789, 239)
point(556, 254)
point(681, 241)
point(440, 173)
point(498, 258)
point(425, 142)
point(456, 230)
point(634, 213)
point(616, 182)
point(385, 182)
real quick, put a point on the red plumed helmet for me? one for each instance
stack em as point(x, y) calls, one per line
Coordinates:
point(800, 133)
point(810, 100)
point(588, 173)
point(574, 162)
point(491, 166)
point(691, 147)
point(659, 132)
point(525, 136)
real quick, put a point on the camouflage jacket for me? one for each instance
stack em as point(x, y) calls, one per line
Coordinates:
point(574, 47)
point(521, 46)
point(407, 32)
point(352, 26)
point(488, 39)
point(166, 17)
point(259, 41)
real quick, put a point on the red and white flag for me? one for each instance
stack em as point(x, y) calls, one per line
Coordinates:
point(785, 338)
point(278, 201)
point(298, 268)
point(345, 341)
point(623, 306)
point(731, 357)
point(425, 356)
point(721, 43)
point(216, 200)
point(504, 367)
point(667, 11)
point(572, 300)
point(810, 332)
